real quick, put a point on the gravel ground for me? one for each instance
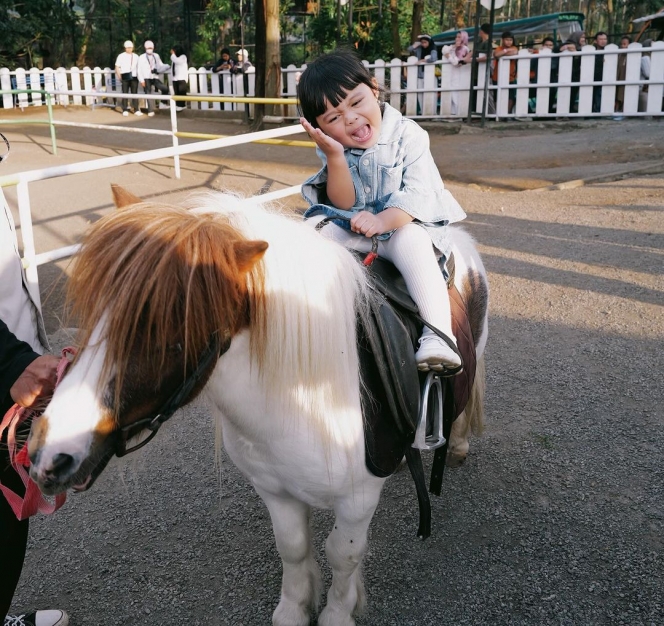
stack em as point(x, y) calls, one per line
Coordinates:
point(557, 517)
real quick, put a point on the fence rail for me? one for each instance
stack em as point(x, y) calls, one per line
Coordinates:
point(543, 85)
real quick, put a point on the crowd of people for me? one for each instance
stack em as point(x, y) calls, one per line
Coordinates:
point(459, 53)
point(147, 70)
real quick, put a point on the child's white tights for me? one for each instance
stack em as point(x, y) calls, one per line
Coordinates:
point(411, 251)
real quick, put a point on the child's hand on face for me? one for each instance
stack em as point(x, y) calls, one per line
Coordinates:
point(329, 146)
point(367, 224)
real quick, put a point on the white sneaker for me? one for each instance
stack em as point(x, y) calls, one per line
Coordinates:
point(151, 114)
point(435, 354)
point(38, 618)
point(125, 113)
point(138, 112)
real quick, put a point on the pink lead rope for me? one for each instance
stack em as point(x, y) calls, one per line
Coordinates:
point(33, 501)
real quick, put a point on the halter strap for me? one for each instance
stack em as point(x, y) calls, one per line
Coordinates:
point(212, 352)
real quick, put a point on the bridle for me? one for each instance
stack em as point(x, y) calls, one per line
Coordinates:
point(216, 348)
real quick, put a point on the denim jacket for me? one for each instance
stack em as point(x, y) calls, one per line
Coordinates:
point(399, 171)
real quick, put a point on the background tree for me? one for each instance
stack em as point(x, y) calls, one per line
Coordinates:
point(416, 27)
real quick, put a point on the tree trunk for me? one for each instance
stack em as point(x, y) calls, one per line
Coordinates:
point(394, 21)
point(272, 54)
point(416, 28)
point(610, 12)
point(87, 34)
point(590, 25)
point(260, 61)
point(459, 13)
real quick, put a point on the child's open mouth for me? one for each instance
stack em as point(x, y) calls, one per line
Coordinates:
point(362, 134)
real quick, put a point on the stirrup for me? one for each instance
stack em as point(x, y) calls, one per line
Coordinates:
point(422, 441)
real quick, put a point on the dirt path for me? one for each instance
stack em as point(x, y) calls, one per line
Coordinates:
point(558, 515)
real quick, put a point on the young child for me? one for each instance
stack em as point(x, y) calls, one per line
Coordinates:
point(378, 170)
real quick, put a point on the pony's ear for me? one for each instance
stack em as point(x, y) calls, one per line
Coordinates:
point(248, 253)
point(122, 197)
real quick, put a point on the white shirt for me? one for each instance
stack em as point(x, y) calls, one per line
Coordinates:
point(150, 66)
point(127, 63)
point(180, 67)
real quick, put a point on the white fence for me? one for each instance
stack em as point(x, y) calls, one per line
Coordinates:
point(546, 85)
point(32, 260)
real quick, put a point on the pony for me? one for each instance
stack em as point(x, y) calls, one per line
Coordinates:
point(255, 310)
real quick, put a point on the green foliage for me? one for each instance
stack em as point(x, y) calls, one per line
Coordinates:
point(34, 30)
point(202, 54)
point(371, 32)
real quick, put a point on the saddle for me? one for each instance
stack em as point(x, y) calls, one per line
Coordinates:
point(395, 395)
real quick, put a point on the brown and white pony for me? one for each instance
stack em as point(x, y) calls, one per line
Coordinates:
point(258, 310)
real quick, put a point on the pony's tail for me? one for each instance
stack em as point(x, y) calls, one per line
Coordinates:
point(475, 405)
point(470, 420)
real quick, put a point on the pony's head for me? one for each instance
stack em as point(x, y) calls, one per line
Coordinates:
point(157, 292)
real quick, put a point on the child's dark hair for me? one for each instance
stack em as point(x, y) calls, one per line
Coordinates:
point(329, 79)
point(178, 50)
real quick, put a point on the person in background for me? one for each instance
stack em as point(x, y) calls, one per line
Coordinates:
point(456, 55)
point(601, 39)
point(126, 69)
point(179, 72)
point(225, 63)
point(484, 50)
point(621, 73)
point(645, 75)
point(506, 49)
point(243, 63)
point(150, 66)
point(425, 52)
point(25, 376)
point(575, 43)
point(548, 44)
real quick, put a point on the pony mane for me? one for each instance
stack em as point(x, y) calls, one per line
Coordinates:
point(313, 291)
point(157, 276)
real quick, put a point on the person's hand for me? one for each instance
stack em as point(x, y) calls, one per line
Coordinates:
point(143, 84)
point(36, 381)
point(367, 224)
point(330, 147)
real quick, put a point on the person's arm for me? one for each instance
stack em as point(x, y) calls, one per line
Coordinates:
point(340, 188)
point(370, 224)
point(117, 68)
point(15, 356)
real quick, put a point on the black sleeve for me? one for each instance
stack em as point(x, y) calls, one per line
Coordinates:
point(15, 356)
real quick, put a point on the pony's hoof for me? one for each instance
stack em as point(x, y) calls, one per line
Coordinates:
point(290, 614)
point(334, 617)
point(455, 460)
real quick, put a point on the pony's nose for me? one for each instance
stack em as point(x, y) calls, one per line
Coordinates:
point(61, 464)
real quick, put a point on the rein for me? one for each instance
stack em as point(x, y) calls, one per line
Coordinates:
point(212, 352)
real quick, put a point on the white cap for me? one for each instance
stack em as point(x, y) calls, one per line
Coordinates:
point(128, 44)
point(148, 44)
point(242, 53)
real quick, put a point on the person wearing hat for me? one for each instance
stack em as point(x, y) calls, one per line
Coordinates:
point(150, 66)
point(243, 62)
point(426, 52)
point(126, 69)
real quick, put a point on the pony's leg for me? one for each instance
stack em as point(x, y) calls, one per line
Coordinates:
point(300, 583)
point(345, 548)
